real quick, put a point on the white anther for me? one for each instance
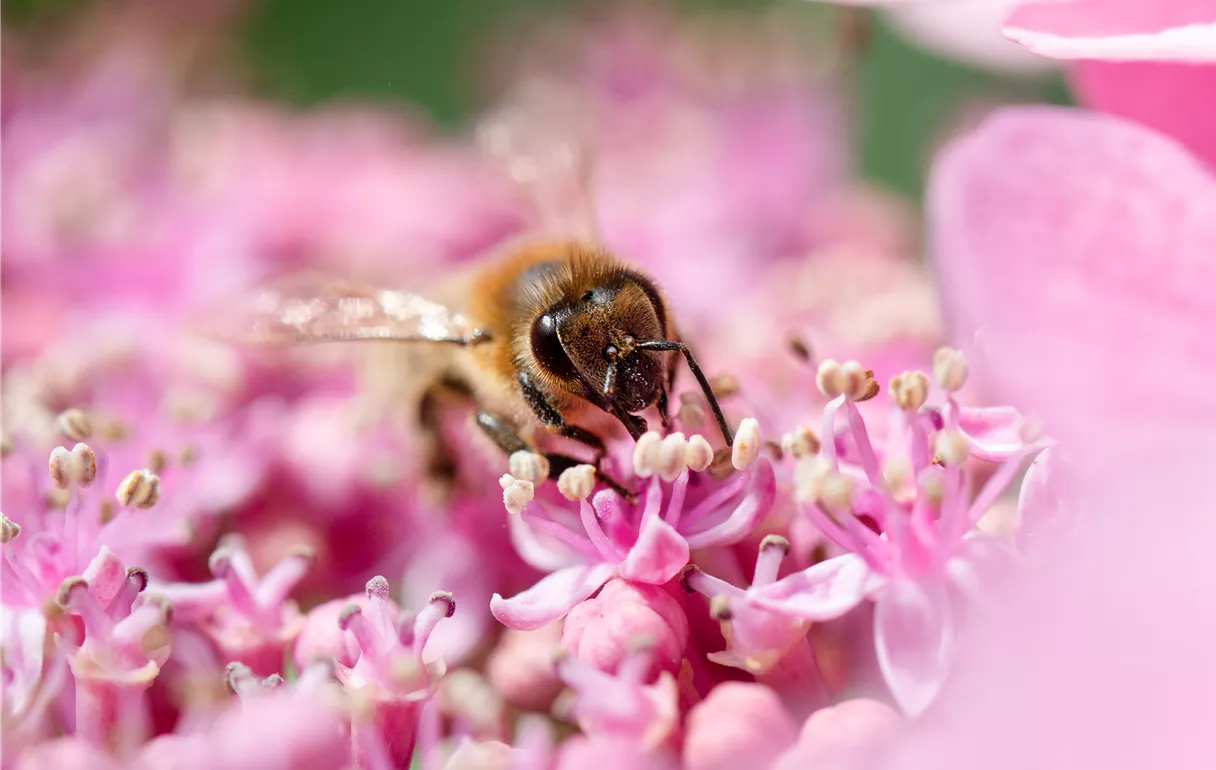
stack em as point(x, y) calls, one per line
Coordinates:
point(910, 390)
point(528, 466)
point(747, 444)
point(698, 454)
point(836, 490)
point(84, 465)
point(9, 529)
point(931, 485)
point(849, 379)
point(800, 443)
point(140, 488)
point(577, 483)
point(950, 369)
point(74, 425)
point(896, 474)
point(828, 378)
point(646, 455)
point(516, 493)
point(809, 473)
point(672, 457)
point(951, 448)
point(60, 466)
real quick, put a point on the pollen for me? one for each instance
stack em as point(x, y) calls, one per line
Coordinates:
point(577, 483)
point(516, 493)
point(672, 457)
point(646, 455)
point(529, 466)
point(747, 444)
point(849, 379)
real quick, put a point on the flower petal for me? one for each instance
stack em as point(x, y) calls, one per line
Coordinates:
point(993, 433)
point(714, 529)
point(659, 553)
point(551, 598)
point(1161, 30)
point(825, 591)
point(1044, 514)
point(978, 565)
point(1075, 249)
point(914, 639)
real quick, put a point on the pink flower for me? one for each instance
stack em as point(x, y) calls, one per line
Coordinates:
point(603, 629)
point(250, 619)
point(1169, 30)
point(922, 554)
point(737, 725)
point(122, 652)
point(1123, 233)
point(623, 705)
point(645, 543)
point(390, 681)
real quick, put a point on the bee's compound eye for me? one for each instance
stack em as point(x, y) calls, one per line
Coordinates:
point(547, 347)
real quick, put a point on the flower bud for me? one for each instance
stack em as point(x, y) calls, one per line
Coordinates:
point(852, 733)
point(604, 630)
point(739, 724)
point(521, 668)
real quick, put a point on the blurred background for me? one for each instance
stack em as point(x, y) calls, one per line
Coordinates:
point(921, 70)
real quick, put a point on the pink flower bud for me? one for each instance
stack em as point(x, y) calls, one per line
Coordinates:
point(67, 754)
point(739, 725)
point(521, 667)
point(844, 736)
point(603, 630)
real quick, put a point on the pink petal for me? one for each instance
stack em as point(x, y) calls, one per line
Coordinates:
point(823, 592)
point(993, 433)
point(1174, 98)
point(657, 556)
point(551, 598)
point(105, 575)
point(979, 564)
point(1162, 30)
point(755, 504)
point(1074, 254)
point(914, 639)
point(1043, 511)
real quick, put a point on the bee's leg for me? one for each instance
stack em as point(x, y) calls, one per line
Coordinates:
point(506, 438)
point(663, 409)
point(439, 457)
point(552, 418)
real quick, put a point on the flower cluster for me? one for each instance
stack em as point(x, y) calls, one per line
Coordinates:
point(197, 540)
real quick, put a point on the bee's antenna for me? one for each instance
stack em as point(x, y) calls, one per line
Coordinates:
point(696, 372)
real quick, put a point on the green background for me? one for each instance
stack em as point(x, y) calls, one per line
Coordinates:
point(428, 52)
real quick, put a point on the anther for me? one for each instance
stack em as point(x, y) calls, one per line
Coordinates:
point(348, 612)
point(140, 488)
point(73, 585)
point(690, 414)
point(836, 490)
point(444, 597)
point(646, 455)
point(775, 541)
point(377, 587)
point(747, 444)
point(516, 493)
point(528, 466)
point(951, 447)
point(800, 443)
point(84, 465)
point(157, 460)
point(577, 483)
point(698, 454)
point(686, 573)
point(909, 390)
point(9, 529)
point(724, 385)
point(60, 466)
point(220, 561)
point(141, 576)
point(930, 485)
point(74, 425)
point(672, 457)
point(719, 608)
point(799, 347)
point(950, 369)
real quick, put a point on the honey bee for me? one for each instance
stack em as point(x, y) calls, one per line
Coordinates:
point(559, 335)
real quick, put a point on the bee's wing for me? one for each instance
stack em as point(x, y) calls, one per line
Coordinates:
point(309, 308)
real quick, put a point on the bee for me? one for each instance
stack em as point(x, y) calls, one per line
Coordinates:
point(559, 335)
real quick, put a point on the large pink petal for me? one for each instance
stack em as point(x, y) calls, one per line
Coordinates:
point(1176, 99)
point(1074, 254)
point(729, 526)
point(659, 553)
point(551, 598)
point(823, 592)
point(914, 639)
point(994, 433)
point(1162, 30)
